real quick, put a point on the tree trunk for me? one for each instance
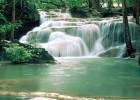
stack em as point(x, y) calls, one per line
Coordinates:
point(97, 5)
point(129, 48)
point(90, 5)
point(13, 19)
point(137, 22)
point(137, 11)
point(21, 7)
point(94, 4)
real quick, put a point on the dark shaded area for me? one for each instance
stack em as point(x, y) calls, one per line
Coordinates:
point(27, 26)
point(78, 12)
point(82, 12)
point(27, 16)
point(112, 12)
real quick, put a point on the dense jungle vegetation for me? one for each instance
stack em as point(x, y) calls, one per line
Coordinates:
point(19, 16)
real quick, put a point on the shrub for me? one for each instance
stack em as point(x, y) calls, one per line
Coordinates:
point(18, 54)
point(5, 26)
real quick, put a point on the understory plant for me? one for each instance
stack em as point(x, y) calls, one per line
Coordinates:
point(18, 54)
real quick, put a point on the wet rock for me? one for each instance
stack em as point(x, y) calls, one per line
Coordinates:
point(110, 53)
point(37, 94)
point(52, 95)
point(132, 55)
point(41, 98)
point(64, 97)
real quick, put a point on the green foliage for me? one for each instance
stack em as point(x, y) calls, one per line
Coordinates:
point(34, 43)
point(36, 55)
point(26, 11)
point(18, 24)
point(5, 27)
point(37, 3)
point(129, 2)
point(72, 3)
point(30, 11)
point(2, 19)
point(24, 53)
point(18, 54)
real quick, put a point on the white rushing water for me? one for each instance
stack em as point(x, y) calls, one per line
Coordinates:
point(64, 36)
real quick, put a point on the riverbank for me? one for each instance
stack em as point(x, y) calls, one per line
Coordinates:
point(53, 96)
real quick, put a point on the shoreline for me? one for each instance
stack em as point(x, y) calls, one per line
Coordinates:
point(57, 96)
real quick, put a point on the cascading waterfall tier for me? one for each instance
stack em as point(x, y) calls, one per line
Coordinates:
point(62, 36)
point(61, 45)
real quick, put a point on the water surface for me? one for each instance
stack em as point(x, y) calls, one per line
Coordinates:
point(82, 77)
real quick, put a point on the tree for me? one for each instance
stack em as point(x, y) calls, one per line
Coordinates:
point(110, 4)
point(96, 4)
point(90, 5)
point(129, 48)
point(13, 19)
point(137, 2)
point(137, 11)
point(55, 3)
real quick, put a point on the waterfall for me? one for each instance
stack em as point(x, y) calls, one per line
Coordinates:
point(62, 45)
point(62, 36)
point(89, 33)
point(42, 17)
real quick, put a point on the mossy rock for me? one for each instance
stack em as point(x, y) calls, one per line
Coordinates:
point(37, 55)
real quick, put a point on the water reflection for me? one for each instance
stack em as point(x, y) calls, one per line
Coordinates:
point(88, 77)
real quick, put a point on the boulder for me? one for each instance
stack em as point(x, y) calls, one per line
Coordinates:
point(110, 53)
